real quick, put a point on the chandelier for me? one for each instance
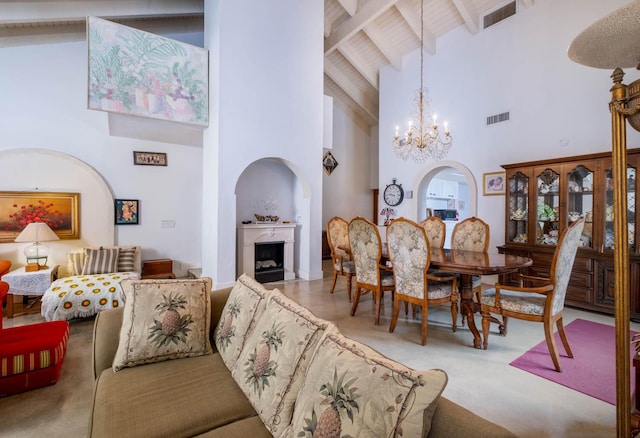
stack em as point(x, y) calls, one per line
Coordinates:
point(422, 141)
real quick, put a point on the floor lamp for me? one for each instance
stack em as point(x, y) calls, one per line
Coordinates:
point(612, 42)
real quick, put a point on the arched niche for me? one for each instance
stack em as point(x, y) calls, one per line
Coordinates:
point(431, 171)
point(45, 170)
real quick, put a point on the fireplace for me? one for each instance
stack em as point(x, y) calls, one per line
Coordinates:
point(269, 259)
point(261, 246)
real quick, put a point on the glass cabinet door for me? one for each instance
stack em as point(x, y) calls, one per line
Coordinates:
point(518, 208)
point(580, 201)
point(608, 207)
point(548, 207)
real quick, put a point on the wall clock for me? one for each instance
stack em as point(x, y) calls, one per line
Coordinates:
point(393, 194)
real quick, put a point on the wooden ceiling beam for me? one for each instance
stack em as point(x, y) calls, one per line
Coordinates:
point(342, 81)
point(413, 20)
point(469, 14)
point(369, 12)
point(351, 6)
point(359, 63)
point(390, 52)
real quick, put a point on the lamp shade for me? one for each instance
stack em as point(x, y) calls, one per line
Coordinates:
point(37, 232)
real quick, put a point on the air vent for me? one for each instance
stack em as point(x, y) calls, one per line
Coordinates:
point(500, 14)
point(503, 117)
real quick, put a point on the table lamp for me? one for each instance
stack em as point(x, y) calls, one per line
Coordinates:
point(37, 253)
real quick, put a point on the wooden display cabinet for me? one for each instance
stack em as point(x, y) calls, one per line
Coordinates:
point(544, 197)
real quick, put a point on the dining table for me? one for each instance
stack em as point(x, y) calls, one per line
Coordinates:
point(469, 263)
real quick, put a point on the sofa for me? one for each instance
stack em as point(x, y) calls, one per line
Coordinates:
point(312, 381)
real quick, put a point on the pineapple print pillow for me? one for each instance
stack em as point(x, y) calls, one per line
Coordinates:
point(352, 390)
point(244, 307)
point(271, 367)
point(164, 319)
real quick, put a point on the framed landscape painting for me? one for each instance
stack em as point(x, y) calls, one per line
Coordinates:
point(139, 73)
point(58, 210)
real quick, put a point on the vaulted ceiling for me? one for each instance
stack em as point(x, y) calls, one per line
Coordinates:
point(361, 36)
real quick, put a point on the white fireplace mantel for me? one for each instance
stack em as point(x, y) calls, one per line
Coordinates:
point(249, 234)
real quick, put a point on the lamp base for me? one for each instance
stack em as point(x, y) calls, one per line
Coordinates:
point(31, 267)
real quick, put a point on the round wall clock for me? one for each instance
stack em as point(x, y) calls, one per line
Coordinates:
point(393, 194)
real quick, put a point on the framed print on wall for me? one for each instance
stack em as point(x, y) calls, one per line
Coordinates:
point(127, 211)
point(149, 158)
point(58, 210)
point(493, 183)
point(329, 163)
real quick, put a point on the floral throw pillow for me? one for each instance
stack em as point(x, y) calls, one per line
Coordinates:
point(244, 307)
point(164, 319)
point(275, 357)
point(352, 390)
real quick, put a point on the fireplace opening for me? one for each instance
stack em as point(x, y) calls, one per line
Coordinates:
point(269, 261)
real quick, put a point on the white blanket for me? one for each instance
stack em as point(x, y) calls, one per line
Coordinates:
point(80, 296)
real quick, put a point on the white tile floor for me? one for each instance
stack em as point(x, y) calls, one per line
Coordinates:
point(480, 380)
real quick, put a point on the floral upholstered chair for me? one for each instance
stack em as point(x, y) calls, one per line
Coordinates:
point(436, 231)
point(472, 234)
point(410, 254)
point(338, 239)
point(366, 249)
point(543, 302)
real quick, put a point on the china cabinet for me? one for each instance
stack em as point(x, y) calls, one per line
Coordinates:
point(544, 197)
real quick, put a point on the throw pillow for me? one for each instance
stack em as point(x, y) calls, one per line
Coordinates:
point(164, 319)
point(275, 357)
point(100, 261)
point(244, 307)
point(126, 259)
point(353, 389)
point(76, 263)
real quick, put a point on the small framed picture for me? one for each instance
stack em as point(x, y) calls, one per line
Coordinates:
point(149, 158)
point(127, 211)
point(493, 183)
point(329, 163)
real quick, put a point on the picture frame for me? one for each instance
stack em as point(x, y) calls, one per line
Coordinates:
point(149, 158)
point(127, 211)
point(329, 163)
point(493, 183)
point(451, 204)
point(429, 212)
point(59, 210)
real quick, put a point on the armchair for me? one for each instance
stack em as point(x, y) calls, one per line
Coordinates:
point(541, 303)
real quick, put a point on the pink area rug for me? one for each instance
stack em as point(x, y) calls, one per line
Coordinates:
point(592, 370)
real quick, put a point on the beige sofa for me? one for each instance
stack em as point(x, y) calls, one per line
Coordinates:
point(198, 396)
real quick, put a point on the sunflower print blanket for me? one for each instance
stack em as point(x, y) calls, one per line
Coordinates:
point(80, 296)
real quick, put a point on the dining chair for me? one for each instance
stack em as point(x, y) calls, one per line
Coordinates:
point(542, 300)
point(436, 231)
point(5, 266)
point(366, 250)
point(409, 253)
point(471, 234)
point(338, 239)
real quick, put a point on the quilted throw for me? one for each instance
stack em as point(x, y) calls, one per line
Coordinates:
point(80, 296)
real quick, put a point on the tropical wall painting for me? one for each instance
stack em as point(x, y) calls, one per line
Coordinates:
point(139, 73)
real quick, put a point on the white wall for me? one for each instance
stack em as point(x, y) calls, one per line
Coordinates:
point(347, 191)
point(519, 65)
point(266, 87)
point(44, 106)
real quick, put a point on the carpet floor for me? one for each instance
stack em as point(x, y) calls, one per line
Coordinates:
point(592, 370)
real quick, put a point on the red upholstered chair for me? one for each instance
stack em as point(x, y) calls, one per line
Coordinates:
point(5, 266)
point(31, 356)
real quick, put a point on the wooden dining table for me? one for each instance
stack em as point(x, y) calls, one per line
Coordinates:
point(470, 263)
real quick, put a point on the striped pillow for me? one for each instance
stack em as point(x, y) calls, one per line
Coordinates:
point(76, 263)
point(100, 261)
point(126, 260)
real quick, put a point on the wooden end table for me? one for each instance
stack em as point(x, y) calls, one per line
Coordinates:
point(28, 284)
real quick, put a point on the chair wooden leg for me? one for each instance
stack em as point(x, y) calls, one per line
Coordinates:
point(394, 316)
point(423, 332)
point(349, 287)
point(563, 337)
point(377, 296)
point(486, 321)
point(356, 299)
point(335, 278)
point(551, 344)
point(406, 308)
point(454, 315)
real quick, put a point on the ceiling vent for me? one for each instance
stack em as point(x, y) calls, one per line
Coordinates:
point(502, 117)
point(500, 14)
